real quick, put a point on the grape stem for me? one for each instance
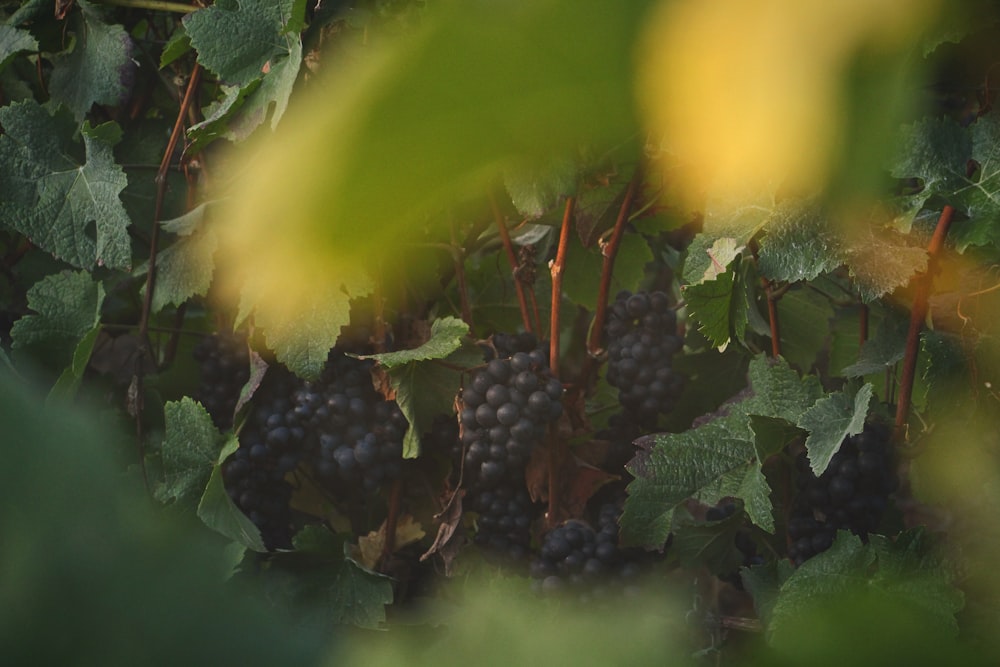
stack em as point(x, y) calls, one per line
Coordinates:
point(390, 522)
point(556, 269)
point(918, 314)
point(147, 302)
point(512, 258)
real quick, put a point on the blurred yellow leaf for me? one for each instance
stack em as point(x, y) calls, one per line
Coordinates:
point(752, 93)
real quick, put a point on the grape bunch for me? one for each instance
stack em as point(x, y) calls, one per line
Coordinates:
point(851, 494)
point(356, 435)
point(338, 428)
point(577, 559)
point(270, 448)
point(224, 362)
point(505, 411)
point(642, 338)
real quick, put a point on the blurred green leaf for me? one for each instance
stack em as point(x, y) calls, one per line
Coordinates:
point(799, 244)
point(536, 188)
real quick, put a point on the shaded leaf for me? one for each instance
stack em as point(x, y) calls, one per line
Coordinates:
point(68, 308)
point(99, 67)
point(217, 510)
point(237, 39)
point(536, 187)
point(832, 419)
point(799, 244)
point(358, 597)
point(190, 450)
point(14, 41)
point(882, 350)
point(54, 199)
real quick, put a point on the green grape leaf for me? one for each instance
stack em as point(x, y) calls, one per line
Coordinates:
point(935, 150)
point(54, 199)
point(708, 257)
point(216, 116)
point(711, 462)
point(537, 187)
point(425, 389)
point(880, 265)
point(708, 544)
point(832, 419)
point(597, 209)
point(303, 342)
point(98, 68)
point(67, 307)
point(979, 200)
point(771, 435)
point(190, 451)
point(777, 390)
point(582, 279)
point(881, 351)
point(185, 268)
point(763, 583)
point(714, 460)
point(902, 574)
point(217, 510)
point(237, 40)
point(14, 41)
point(178, 44)
point(805, 326)
point(799, 244)
point(712, 306)
point(910, 570)
point(358, 596)
point(66, 386)
point(270, 98)
point(447, 334)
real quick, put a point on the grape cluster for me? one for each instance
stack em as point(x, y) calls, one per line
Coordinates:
point(338, 428)
point(851, 494)
point(224, 362)
point(577, 559)
point(505, 411)
point(356, 435)
point(270, 448)
point(642, 338)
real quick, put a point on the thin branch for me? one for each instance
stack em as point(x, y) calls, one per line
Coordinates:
point(161, 187)
point(391, 522)
point(556, 270)
point(512, 258)
point(155, 5)
point(610, 252)
point(918, 314)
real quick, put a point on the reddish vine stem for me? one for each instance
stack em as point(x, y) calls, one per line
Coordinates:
point(512, 258)
point(918, 314)
point(557, 451)
point(391, 521)
point(556, 270)
point(147, 302)
point(610, 252)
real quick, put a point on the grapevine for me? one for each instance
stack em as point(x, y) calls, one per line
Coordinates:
point(384, 300)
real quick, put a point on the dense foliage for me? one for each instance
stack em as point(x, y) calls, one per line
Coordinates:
point(451, 318)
